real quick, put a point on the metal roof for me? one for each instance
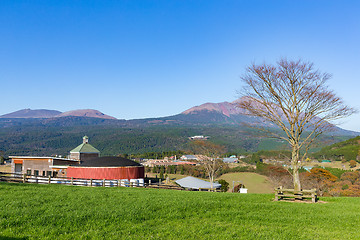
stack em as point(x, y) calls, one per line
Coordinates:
point(108, 162)
point(189, 157)
point(34, 157)
point(195, 183)
point(85, 148)
point(230, 160)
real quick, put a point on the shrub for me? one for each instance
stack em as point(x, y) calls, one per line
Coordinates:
point(352, 163)
point(350, 176)
point(224, 185)
point(336, 171)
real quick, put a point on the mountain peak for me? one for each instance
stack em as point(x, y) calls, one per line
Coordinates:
point(45, 113)
point(29, 113)
point(225, 108)
point(85, 113)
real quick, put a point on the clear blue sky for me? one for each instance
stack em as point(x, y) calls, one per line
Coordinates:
point(137, 59)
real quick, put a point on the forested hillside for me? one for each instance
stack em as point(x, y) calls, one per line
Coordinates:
point(118, 138)
point(346, 150)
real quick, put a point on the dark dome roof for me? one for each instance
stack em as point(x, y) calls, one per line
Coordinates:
point(107, 162)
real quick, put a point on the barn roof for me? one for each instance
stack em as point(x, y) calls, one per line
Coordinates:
point(85, 147)
point(107, 162)
point(195, 183)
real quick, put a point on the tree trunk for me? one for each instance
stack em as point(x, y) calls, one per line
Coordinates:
point(295, 163)
point(296, 179)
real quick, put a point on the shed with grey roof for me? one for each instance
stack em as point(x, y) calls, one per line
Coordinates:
point(196, 183)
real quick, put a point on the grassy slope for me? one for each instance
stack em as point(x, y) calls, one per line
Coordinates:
point(66, 212)
point(255, 183)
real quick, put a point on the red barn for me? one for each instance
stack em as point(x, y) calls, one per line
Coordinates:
point(107, 168)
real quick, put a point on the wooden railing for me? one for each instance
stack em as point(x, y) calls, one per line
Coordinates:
point(24, 178)
point(290, 194)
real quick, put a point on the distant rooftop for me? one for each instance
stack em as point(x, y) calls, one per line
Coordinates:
point(35, 157)
point(85, 147)
point(108, 162)
point(195, 183)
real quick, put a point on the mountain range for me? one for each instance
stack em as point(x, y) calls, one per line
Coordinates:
point(41, 132)
point(228, 109)
point(45, 113)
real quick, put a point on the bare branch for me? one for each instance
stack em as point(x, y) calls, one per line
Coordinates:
point(293, 96)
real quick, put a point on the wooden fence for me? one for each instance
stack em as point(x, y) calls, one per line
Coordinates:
point(291, 194)
point(24, 178)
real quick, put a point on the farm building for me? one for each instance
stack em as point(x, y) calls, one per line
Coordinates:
point(164, 162)
point(188, 157)
point(231, 159)
point(84, 151)
point(201, 137)
point(193, 183)
point(41, 166)
point(107, 168)
point(84, 162)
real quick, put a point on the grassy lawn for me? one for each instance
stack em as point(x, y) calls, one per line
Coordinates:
point(29, 211)
point(255, 183)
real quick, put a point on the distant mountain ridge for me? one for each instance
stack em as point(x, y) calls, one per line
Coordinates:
point(45, 113)
point(46, 132)
point(29, 113)
point(223, 113)
point(85, 113)
point(225, 108)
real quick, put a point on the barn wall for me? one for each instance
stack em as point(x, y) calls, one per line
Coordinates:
point(106, 173)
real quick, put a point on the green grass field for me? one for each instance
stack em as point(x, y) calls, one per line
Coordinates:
point(255, 183)
point(29, 211)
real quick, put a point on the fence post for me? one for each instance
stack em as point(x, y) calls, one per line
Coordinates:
point(49, 179)
point(90, 182)
point(24, 178)
point(313, 195)
point(104, 182)
point(72, 181)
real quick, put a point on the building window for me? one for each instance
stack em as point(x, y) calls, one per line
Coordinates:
point(28, 172)
point(48, 173)
point(44, 173)
point(36, 172)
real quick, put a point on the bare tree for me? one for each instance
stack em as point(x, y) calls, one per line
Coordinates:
point(293, 96)
point(210, 154)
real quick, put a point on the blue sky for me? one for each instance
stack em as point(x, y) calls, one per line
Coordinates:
point(137, 59)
